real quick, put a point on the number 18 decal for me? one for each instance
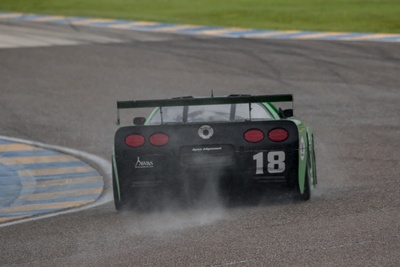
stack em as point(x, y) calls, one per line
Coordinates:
point(276, 162)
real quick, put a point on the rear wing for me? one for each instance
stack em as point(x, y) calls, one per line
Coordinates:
point(190, 101)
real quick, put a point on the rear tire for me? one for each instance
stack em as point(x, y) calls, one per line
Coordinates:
point(306, 195)
point(119, 204)
point(314, 164)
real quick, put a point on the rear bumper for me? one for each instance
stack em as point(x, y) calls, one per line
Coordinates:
point(167, 169)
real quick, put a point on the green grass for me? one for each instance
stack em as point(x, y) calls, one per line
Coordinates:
point(313, 15)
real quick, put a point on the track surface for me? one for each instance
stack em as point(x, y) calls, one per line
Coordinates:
point(348, 92)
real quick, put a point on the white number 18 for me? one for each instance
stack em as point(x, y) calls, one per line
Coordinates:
point(276, 162)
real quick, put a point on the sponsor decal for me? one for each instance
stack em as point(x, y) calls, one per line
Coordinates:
point(302, 148)
point(143, 164)
point(206, 149)
point(206, 132)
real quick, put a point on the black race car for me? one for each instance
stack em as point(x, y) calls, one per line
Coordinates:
point(243, 139)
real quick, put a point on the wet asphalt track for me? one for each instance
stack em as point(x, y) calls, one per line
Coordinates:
point(348, 91)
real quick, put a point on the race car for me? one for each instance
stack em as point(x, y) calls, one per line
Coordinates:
point(245, 139)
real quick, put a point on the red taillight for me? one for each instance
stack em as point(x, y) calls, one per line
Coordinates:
point(134, 140)
point(278, 135)
point(254, 136)
point(159, 139)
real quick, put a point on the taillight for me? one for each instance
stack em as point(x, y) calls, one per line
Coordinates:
point(159, 139)
point(134, 140)
point(253, 135)
point(278, 135)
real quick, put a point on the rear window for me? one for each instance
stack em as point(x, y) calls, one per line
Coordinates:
point(210, 113)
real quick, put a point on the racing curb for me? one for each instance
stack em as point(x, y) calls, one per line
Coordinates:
point(39, 180)
point(199, 30)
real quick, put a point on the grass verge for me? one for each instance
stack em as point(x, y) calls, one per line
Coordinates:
point(312, 15)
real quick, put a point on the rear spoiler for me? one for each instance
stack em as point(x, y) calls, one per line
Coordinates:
point(203, 101)
point(189, 101)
